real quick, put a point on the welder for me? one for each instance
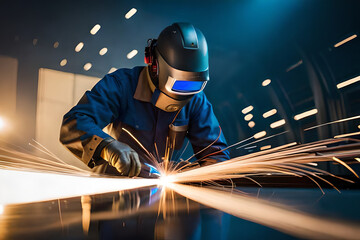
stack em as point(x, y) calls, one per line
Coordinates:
point(158, 104)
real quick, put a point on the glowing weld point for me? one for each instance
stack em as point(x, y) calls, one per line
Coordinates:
point(166, 180)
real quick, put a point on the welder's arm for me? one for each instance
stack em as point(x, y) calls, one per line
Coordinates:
point(81, 130)
point(204, 129)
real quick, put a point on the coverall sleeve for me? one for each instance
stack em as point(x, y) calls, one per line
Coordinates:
point(81, 131)
point(204, 129)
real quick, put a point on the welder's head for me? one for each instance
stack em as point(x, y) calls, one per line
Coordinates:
point(178, 65)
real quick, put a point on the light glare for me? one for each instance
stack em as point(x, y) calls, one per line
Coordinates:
point(247, 109)
point(348, 82)
point(306, 114)
point(87, 66)
point(95, 29)
point(63, 62)
point(79, 47)
point(248, 117)
point(130, 13)
point(132, 54)
point(103, 51)
point(277, 123)
point(266, 82)
point(269, 113)
point(260, 134)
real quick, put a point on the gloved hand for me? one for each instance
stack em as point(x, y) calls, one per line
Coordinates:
point(122, 157)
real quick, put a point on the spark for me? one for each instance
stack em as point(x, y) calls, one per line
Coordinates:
point(333, 122)
point(269, 214)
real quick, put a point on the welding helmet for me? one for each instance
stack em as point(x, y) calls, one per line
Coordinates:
point(178, 65)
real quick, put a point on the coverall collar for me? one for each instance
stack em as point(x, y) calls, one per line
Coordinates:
point(143, 91)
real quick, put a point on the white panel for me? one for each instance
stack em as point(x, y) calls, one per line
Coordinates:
point(58, 92)
point(83, 83)
point(8, 79)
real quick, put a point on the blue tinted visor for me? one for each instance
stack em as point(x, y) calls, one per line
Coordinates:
point(187, 86)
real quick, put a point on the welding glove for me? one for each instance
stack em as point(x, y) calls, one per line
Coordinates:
point(122, 157)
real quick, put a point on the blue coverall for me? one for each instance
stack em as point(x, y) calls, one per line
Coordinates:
point(123, 101)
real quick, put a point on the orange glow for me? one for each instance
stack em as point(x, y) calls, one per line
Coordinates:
point(260, 134)
point(251, 124)
point(266, 82)
point(265, 147)
point(79, 47)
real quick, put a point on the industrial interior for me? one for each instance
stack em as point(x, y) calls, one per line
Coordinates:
point(284, 85)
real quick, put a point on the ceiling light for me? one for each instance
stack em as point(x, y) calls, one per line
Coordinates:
point(266, 82)
point(130, 13)
point(132, 54)
point(247, 109)
point(277, 123)
point(87, 66)
point(95, 29)
point(306, 114)
point(103, 51)
point(248, 117)
point(357, 159)
point(260, 134)
point(63, 62)
point(348, 82)
point(56, 44)
point(345, 40)
point(265, 147)
point(112, 70)
point(79, 47)
point(251, 124)
point(269, 113)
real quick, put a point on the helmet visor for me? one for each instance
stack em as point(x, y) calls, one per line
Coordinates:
point(187, 86)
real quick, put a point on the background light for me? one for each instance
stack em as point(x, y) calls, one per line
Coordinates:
point(87, 66)
point(248, 117)
point(269, 113)
point(103, 51)
point(251, 124)
point(56, 44)
point(266, 82)
point(306, 114)
point(79, 47)
point(260, 134)
point(132, 54)
point(247, 109)
point(95, 29)
point(130, 13)
point(348, 82)
point(277, 123)
point(63, 62)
